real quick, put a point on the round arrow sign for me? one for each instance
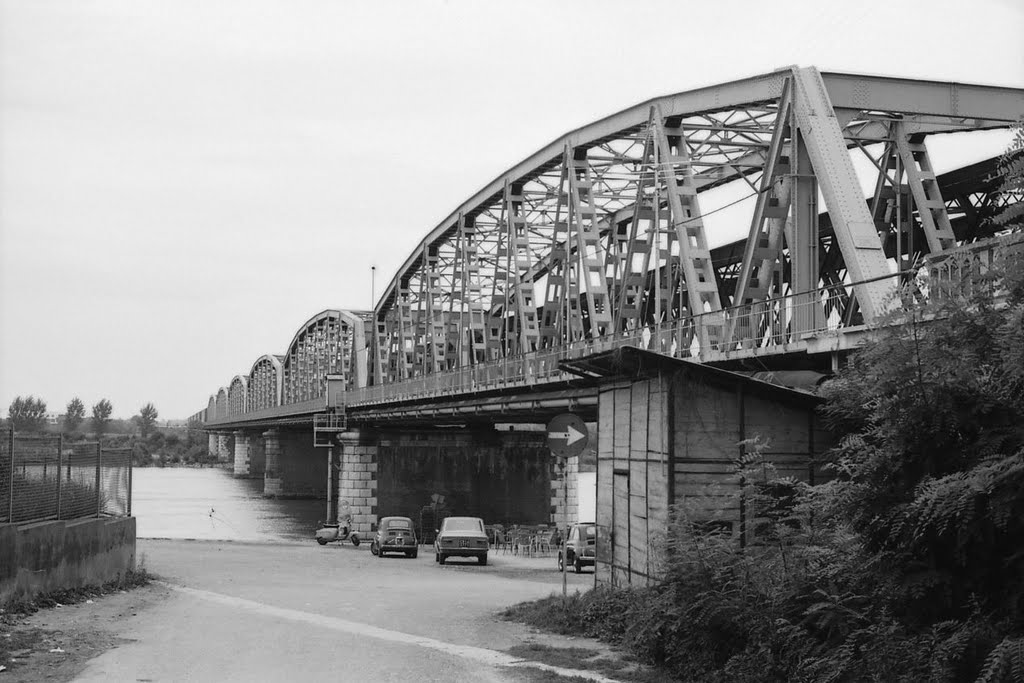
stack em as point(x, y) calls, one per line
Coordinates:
point(567, 435)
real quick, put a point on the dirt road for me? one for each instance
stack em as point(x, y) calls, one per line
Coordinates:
point(232, 611)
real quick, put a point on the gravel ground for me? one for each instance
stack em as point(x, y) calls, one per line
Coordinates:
point(164, 632)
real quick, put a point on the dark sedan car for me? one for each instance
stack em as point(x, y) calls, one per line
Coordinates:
point(580, 546)
point(461, 537)
point(395, 535)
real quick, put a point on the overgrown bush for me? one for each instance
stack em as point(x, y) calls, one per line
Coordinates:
point(162, 450)
point(908, 565)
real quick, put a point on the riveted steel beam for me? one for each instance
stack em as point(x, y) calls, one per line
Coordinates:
point(835, 175)
point(924, 186)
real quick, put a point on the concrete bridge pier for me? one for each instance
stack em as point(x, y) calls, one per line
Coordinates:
point(211, 444)
point(272, 468)
point(257, 455)
point(241, 459)
point(224, 453)
point(293, 467)
point(355, 460)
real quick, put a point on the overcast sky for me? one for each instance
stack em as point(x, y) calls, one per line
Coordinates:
point(183, 183)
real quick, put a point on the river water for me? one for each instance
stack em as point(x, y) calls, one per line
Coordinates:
point(210, 504)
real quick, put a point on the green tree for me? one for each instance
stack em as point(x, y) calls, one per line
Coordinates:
point(1011, 169)
point(101, 416)
point(147, 419)
point(27, 414)
point(930, 480)
point(74, 414)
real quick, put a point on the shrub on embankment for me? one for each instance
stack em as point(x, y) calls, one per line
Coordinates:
point(162, 448)
point(38, 499)
point(156, 452)
point(165, 447)
point(908, 565)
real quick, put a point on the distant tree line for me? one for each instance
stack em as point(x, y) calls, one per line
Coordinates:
point(151, 444)
point(28, 414)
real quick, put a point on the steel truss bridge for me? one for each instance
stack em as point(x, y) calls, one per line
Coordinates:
point(599, 240)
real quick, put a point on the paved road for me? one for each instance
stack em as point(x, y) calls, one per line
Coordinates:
point(253, 612)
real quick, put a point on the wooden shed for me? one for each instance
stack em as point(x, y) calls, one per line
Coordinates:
point(667, 428)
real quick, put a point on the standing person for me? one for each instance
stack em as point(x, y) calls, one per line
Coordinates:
point(344, 514)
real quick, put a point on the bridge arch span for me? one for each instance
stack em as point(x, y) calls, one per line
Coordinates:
point(602, 231)
point(266, 379)
point(222, 403)
point(331, 342)
point(237, 395)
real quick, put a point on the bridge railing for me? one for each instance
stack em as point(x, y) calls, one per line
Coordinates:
point(966, 269)
point(738, 331)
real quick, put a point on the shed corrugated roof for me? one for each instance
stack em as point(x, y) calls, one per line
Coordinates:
point(629, 362)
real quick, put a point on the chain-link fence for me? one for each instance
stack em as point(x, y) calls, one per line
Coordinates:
point(42, 477)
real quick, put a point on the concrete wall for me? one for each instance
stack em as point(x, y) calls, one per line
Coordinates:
point(503, 477)
point(302, 467)
point(48, 556)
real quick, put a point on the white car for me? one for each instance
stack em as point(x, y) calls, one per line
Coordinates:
point(461, 537)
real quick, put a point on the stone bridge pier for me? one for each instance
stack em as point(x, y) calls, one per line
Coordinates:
point(352, 478)
point(224, 451)
point(292, 466)
point(249, 454)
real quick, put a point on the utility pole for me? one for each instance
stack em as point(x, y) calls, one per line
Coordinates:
point(565, 536)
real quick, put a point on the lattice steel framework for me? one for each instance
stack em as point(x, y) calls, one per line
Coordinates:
point(603, 231)
point(266, 380)
point(238, 392)
point(222, 403)
point(331, 342)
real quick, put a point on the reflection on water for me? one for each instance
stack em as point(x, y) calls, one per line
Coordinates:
point(210, 504)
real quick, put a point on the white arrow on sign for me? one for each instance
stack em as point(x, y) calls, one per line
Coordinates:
point(570, 435)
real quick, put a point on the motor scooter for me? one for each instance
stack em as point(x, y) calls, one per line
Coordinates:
point(340, 531)
point(329, 533)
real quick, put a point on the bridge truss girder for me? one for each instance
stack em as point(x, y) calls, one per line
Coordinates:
point(603, 231)
point(333, 342)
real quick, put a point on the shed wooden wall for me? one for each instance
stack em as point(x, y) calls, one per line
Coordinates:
point(632, 481)
point(673, 441)
point(712, 419)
